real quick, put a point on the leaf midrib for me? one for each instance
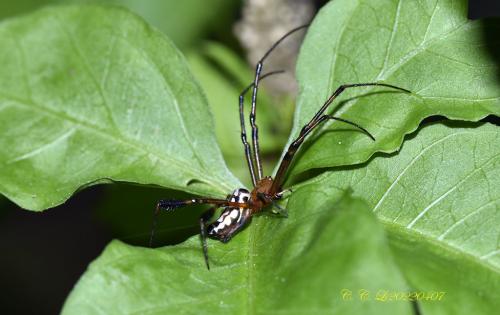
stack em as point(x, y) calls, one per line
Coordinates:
point(189, 169)
point(154, 67)
point(168, 90)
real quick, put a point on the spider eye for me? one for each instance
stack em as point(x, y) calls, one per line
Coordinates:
point(245, 199)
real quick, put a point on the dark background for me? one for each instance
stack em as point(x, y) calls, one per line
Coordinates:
point(484, 8)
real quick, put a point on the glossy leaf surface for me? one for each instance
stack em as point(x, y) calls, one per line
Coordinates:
point(90, 93)
point(439, 201)
point(450, 64)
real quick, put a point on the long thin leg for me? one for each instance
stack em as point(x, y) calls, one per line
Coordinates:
point(170, 205)
point(315, 121)
point(204, 219)
point(292, 149)
point(153, 226)
point(343, 87)
point(243, 128)
point(174, 204)
point(268, 199)
point(255, 129)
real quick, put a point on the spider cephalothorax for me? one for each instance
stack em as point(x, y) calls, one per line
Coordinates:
point(241, 205)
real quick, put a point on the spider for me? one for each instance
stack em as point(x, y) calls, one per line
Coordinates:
point(242, 204)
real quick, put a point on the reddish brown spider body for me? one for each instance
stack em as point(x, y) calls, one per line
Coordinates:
point(263, 195)
point(242, 204)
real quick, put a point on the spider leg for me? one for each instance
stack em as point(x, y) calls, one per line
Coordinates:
point(153, 226)
point(248, 154)
point(255, 129)
point(204, 219)
point(281, 211)
point(283, 192)
point(313, 123)
point(294, 146)
point(351, 123)
point(170, 205)
point(343, 87)
point(268, 199)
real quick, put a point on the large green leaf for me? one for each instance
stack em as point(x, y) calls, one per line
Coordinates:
point(426, 46)
point(437, 199)
point(88, 93)
point(297, 266)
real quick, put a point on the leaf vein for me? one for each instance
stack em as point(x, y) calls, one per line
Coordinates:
point(421, 48)
point(430, 20)
point(436, 201)
point(462, 220)
point(412, 162)
point(44, 147)
point(188, 168)
point(490, 254)
point(389, 45)
point(86, 65)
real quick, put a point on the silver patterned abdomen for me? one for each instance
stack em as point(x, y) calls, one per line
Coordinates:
point(232, 219)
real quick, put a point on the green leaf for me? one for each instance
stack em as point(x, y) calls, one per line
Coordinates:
point(438, 200)
point(11, 8)
point(428, 47)
point(296, 266)
point(90, 93)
